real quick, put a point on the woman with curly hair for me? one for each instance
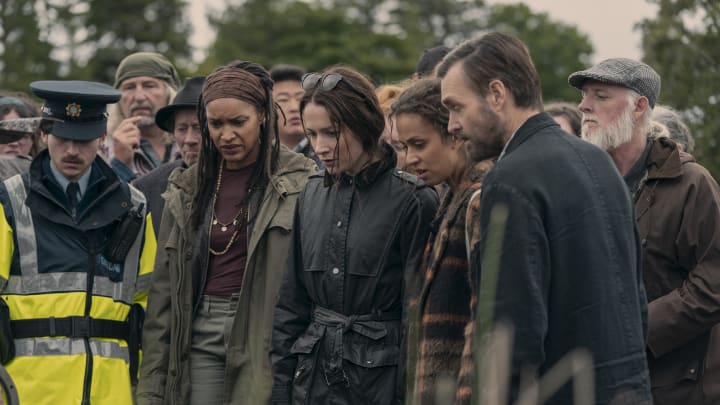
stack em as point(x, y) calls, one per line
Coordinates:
point(443, 306)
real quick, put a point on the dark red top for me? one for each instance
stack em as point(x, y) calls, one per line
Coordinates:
point(225, 271)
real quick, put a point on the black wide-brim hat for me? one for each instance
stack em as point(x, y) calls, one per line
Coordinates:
point(78, 108)
point(187, 97)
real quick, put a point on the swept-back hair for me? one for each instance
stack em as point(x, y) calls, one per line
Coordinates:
point(258, 94)
point(498, 56)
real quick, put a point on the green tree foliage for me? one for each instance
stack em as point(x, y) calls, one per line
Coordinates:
point(310, 35)
point(557, 49)
point(433, 22)
point(24, 51)
point(100, 33)
point(681, 44)
point(384, 38)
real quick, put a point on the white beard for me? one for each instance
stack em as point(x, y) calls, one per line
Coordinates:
point(612, 135)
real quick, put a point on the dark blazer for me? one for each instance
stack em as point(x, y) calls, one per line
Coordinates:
point(569, 274)
point(153, 185)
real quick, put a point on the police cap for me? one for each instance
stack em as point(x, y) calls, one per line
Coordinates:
point(79, 108)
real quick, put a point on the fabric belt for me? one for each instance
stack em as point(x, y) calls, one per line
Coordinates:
point(73, 327)
point(336, 325)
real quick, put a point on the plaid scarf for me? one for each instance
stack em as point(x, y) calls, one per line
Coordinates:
point(444, 302)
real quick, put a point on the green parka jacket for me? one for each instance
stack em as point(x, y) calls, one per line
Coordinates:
point(165, 370)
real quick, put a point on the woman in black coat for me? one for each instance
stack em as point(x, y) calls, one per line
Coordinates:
point(360, 228)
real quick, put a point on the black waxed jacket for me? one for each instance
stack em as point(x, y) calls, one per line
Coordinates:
point(338, 332)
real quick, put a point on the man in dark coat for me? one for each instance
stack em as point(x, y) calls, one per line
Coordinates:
point(677, 205)
point(180, 119)
point(568, 279)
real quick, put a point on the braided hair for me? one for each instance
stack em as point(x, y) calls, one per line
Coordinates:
point(249, 82)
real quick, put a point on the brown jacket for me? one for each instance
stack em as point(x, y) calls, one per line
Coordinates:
point(678, 215)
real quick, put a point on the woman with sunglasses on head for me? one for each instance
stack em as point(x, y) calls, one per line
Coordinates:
point(444, 301)
point(222, 246)
point(360, 227)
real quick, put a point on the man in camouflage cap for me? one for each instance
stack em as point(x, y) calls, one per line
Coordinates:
point(11, 131)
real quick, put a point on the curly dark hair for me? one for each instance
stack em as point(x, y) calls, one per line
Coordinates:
point(423, 98)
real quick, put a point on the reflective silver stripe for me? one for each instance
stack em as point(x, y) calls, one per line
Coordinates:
point(143, 283)
point(132, 260)
point(66, 282)
point(68, 346)
point(33, 282)
point(24, 230)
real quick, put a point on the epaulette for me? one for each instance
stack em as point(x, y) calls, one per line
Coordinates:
point(408, 178)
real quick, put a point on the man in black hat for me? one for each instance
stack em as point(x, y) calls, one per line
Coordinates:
point(179, 118)
point(677, 208)
point(75, 260)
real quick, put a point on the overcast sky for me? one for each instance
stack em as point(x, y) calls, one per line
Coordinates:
point(609, 23)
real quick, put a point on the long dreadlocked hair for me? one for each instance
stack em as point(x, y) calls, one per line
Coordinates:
point(210, 158)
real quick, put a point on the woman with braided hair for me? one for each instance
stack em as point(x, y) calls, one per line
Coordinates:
point(222, 244)
point(443, 306)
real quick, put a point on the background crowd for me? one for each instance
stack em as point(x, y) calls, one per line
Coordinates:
point(310, 237)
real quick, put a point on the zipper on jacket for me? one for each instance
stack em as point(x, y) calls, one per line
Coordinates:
point(87, 383)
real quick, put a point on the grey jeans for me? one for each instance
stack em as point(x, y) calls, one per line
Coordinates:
point(210, 334)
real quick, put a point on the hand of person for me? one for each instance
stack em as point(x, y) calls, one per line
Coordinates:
point(126, 138)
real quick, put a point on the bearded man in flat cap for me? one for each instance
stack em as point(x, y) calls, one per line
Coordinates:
point(677, 209)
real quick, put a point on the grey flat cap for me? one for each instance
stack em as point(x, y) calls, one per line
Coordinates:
point(624, 72)
point(14, 129)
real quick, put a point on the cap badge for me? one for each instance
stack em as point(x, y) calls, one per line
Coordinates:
point(73, 110)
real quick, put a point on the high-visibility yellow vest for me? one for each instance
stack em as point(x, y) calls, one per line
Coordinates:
point(60, 369)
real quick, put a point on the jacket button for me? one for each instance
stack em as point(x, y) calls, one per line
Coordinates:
point(692, 371)
point(339, 224)
point(643, 242)
point(188, 255)
point(335, 270)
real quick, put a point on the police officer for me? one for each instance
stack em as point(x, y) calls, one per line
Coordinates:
point(76, 258)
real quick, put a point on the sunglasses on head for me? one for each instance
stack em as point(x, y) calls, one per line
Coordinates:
point(327, 82)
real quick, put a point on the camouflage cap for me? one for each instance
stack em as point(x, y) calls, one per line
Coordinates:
point(14, 129)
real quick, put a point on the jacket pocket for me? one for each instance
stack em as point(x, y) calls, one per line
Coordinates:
point(306, 349)
point(371, 356)
point(683, 364)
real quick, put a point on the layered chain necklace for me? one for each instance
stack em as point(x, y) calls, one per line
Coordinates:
point(237, 221)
